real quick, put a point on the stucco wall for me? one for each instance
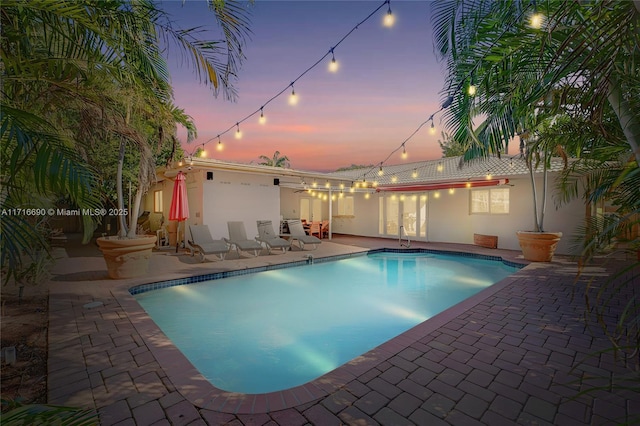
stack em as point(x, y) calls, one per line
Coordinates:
point(449, 218)
point(231, 196)
point(239, 197)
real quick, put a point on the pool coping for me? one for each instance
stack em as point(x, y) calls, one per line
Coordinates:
point(195, 388)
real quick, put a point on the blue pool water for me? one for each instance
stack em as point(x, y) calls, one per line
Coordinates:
point(274, 330)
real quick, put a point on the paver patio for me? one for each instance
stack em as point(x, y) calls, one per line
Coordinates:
point(516, 353)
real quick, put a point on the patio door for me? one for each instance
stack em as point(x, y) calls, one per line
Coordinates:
point(409, 211)
point(311, 209)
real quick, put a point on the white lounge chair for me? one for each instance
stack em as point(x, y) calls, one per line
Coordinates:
point(202, 242)
point(238, 239)
point(296, 232)
point(268, 237)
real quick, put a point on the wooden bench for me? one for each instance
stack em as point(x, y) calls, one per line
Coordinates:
point(488, 241)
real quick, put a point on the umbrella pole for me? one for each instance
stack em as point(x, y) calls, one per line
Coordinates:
point(178, 237)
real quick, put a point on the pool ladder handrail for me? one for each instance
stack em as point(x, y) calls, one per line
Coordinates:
point(408, 244)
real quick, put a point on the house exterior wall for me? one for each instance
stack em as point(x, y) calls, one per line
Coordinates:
point(449, 218)
point(227, 197)
point(238, 196)
point(231, 196)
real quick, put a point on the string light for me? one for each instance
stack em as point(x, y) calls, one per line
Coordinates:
point(440, 167)
point(380, 171)
point(203, 153)
point(472, 89)
point(220, 147)
point(414, 174)
point(388, 19)
point(404, 152)
point(333, 65)
point(293, 98)
point(262, 119)
point(432, 129)
point(451, 191)
point(536, 19)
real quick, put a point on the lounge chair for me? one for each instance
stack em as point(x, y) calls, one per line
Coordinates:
point(296, 233)
point(238, 239)
point(268, 237)
point(202, 243)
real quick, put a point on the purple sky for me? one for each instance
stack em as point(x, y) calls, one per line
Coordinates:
point(388, 83)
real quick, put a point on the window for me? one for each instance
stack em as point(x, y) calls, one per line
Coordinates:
point(490, 201)
point(345, 206)
point(157, 201)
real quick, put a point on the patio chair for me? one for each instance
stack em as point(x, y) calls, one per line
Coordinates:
point(268, 237)
point(202, 243)
point(238, 239)
point(315, 229)
point(296, 233)
point(324, 230)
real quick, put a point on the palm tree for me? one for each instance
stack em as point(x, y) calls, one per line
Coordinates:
point(275, 161)
point(66, 65)
point(573, 83)
point(585, 51)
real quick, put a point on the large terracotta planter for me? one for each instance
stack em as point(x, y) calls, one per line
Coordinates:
point(127, 257)
point(538, 246)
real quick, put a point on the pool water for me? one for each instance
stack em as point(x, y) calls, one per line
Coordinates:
point(278, 329)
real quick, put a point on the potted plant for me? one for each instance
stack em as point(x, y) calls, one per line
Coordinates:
point(537, 245)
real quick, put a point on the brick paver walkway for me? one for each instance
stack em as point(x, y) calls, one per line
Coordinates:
point(519, 356)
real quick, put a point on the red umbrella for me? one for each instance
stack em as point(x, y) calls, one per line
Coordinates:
point(179, 204)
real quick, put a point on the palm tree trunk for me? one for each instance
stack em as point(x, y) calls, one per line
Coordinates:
point(535, 195)
point(134, 211)
point(122, 224)
point(544, 194)
point(628, 120)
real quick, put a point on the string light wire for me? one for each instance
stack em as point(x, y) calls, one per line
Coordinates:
point(315, 64)
point(447, 102)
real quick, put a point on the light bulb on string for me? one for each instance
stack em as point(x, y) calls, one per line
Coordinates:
point(203, 152)
point(414, 174)
point(380, 171)
point(432, 129)
point(333, 65)
point(219, 147)
point(388, 19)
point(536, 20)
point(238, 132)
point(262, 119)
point(440, 167)
point(366, 196)
point(472, 89)
point(404, 152)
point(293, 98)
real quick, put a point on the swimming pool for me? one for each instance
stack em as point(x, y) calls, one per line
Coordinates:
point(274, 330)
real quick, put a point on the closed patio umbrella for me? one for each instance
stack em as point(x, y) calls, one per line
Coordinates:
point(179, 204)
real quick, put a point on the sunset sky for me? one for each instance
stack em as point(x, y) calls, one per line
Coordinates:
point(388, 83)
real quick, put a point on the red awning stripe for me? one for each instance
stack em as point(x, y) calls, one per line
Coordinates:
point(442, 185)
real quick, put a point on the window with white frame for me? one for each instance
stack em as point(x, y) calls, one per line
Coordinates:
point(345, 206)
point(490, 201)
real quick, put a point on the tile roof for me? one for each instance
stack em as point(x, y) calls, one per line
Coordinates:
point(448, 169)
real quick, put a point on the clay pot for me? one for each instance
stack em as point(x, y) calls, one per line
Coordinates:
point(127, 257)
point(538, 246)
